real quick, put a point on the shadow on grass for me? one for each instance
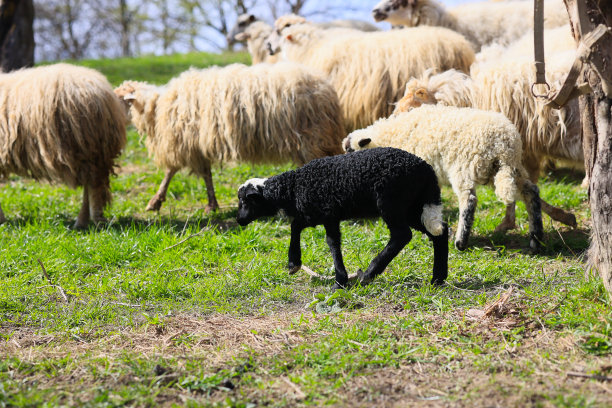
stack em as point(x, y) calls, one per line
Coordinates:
point(566, 176)
point(568, 243)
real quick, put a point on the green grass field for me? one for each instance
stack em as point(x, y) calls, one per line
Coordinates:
point(183, 308)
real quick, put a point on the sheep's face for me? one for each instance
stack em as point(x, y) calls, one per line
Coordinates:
point(126, 94)
point(251, 202)
point(237, 33)
point(357, 141)
point(280, 25)
point(413, 98)
point(396, 12)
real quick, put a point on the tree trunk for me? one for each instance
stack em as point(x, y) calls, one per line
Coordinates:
point(125, 22)
point(596, 115)
point(16, 34)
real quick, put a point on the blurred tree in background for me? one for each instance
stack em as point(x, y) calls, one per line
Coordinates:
point(79, 29)
point(16, 35)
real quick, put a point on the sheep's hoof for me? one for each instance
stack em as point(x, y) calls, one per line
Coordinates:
point(80, 225)
point(460, 245)
point(154, 204)
point(535, 244)
point(294, 268)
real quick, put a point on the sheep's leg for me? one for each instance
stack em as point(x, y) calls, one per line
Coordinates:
point(155, 203)
point(558, 214)
point(210, 189)
point(99, 196)
point(531, 196)
point(2, 217)
point(440, 263)
point(400, 236)
point(295, 253)
point(334, 240)
point(83, 218)
point(509, 221)
point(467, 208)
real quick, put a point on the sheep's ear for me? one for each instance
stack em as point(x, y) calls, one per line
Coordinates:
point(364, 142)
point(289, 37)
point(241, 37)
point(421, 93)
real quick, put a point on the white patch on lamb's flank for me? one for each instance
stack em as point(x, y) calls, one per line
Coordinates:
point(432, 218)
point(255, 182)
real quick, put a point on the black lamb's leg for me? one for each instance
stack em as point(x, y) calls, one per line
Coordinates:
point(440, 263)
point(400, 236)
point(334, 240)
point(295, 253)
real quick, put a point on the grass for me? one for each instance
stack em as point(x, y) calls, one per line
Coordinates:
point(184, 308)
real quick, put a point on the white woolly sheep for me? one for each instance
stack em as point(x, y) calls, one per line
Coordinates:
point(369, 70)
point(504, 85)
point(62, 123)
point(256, 32)
point(465, 147)
point(266, 113)
point(397, 186)
point(481, 23)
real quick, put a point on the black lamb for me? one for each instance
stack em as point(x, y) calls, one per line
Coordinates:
point(390, 183)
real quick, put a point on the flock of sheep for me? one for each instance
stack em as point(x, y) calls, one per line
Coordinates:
point(450, 85)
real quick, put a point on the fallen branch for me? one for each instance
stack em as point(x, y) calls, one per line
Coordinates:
point(312, 273)
point(299, 393)
point(597, 377)
point(197, 234)
point(58, 287)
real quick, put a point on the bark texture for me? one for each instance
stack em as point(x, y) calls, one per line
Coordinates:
point(596, 115)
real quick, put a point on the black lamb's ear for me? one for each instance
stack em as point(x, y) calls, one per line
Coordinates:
point(253, 192)
point(364, 142)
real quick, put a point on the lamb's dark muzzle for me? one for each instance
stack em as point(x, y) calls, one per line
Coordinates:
point(378, 15)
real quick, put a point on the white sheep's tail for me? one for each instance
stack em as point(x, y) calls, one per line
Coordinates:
point(432, 219)
point(505, 184)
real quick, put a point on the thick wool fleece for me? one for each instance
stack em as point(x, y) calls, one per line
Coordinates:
point(481, 23)
point(465, 147)
point(62, 123)
point(386, 182)
point(369, 71)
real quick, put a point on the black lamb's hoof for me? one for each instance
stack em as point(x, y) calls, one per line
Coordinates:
point(293, 268)
point(338, 286)
point(364, 278)
point(437, 281)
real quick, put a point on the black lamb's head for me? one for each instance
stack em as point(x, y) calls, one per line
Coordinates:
point(252, 203)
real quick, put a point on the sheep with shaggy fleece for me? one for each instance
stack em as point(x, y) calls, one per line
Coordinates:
point(481, 23)
point(256, 32)
point(504, 85)
point(465, 147)
point(62, 123)
point(266, 113)
point(390, 183)
point(369, 70)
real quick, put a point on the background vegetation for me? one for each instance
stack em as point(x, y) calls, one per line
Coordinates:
point(186, 308)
